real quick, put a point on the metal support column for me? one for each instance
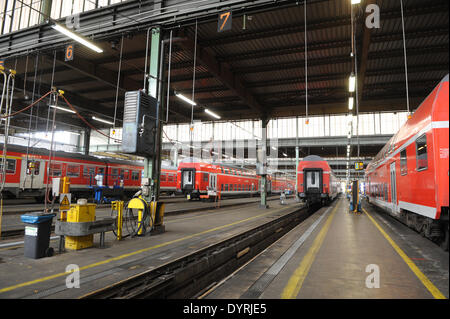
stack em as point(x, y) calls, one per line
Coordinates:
point(152, 164)
point(263, 164)
point(46, 9)
point(87, 140)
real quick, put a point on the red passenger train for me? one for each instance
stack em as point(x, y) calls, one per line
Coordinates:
point(409, 178)
point(28, 179)
point(197, 179)
point(316, 181)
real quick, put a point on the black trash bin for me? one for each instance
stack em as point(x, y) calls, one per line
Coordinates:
point(38, 227)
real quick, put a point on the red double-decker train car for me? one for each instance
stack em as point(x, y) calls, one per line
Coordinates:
point(168, 180)
point(28, 178)
point(409, 178)
point(197, 179)
point(281, 183)
point(316, 181)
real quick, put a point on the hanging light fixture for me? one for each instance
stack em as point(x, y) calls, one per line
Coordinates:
point(351, 101)
point(102, 120)
point(212, 114)
point(352, 83)
point(61, 108)
point(76, 37)
point(182, 97)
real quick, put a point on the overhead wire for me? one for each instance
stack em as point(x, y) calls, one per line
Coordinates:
point(31, 117)
point(118, 84)
point(405, 61)
point(306, 65)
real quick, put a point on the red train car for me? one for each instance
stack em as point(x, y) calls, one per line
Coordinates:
point(168, 180)
point(282, 183)
point(316, 181)
point(29, 178)
point(197, 179)
point(409, 176)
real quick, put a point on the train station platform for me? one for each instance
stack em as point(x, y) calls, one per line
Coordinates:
point(336, 254)
point(21, 277)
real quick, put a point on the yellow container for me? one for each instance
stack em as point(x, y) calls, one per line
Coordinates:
point(79, 242)
point(81, 213)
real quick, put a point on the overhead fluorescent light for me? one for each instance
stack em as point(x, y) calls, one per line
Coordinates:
point(350, 103)
point(181, 96)
point(274, 148)
point(102, 120)
point(61, 108)
point(76, 37)
point(212, 114)
point(351, 83)
point(356, 1)
point(284, 154)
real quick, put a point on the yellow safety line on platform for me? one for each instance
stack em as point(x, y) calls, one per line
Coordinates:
point(425, 281)
point(103, 262)
point(296, 281)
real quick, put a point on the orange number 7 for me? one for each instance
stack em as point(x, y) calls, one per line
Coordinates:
point(227, 14)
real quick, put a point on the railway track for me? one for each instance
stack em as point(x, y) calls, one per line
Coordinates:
point(193, 274)
point(11, 233)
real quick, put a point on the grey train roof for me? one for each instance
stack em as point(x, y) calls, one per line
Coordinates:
point(313, 158)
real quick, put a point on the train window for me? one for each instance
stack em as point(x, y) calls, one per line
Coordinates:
point(226, 187)
point(126, 173)
point(73, 170)
point(421, 153)
point(115, 171)
point(10, 166)
point(403, 166)
point(55, 169)
point(235, 187)
point(170, 177)
point(37, 167)
point(205, 177)
point(163, 177)
point(135, 175)
point(88, 171)
point(101, 170)
point(221, 187)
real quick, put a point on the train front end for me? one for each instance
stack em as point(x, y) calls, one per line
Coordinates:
point(189, 181)
point(313, 178)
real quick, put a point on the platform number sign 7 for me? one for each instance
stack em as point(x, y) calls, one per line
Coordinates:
point(68, 55)
point(224, 22)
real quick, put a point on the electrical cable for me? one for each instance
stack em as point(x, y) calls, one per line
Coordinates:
point(86, 122)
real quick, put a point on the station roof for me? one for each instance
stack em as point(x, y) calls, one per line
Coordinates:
point(250, 71)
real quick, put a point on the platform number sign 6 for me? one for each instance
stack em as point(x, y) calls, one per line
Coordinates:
point(224, 22)
point(68, 56)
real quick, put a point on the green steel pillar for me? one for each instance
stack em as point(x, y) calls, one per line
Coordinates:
point(46, 9)
point(151, 164)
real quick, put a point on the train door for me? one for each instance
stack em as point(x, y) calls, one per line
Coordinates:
point(187, 178)
point(313, 180)
point(213, 182)
point(393, 188)
point(32, 174)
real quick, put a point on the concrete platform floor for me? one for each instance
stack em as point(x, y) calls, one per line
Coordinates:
point(340, 258)
point(21, 277)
